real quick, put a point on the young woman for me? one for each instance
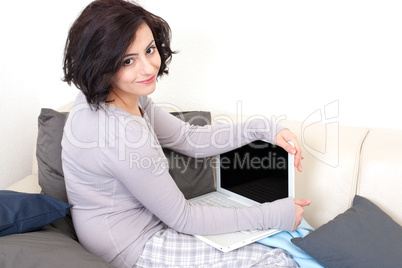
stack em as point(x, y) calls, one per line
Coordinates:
point(131, 214)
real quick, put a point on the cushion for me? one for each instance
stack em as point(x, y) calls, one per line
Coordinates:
point(48, 153)
point(47, 248)
point(362, 236)
point(50, 170)
point(24, 212)
point(193, 176)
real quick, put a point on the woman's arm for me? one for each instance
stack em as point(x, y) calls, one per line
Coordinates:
point(209, 140)
point(147, 177)
point(203, 141)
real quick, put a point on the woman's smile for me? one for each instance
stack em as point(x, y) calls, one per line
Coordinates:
point(147, 81)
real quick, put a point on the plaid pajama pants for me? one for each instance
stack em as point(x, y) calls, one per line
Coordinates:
point(168, 248)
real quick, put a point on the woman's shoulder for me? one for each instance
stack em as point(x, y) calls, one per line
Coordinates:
point(145, 102)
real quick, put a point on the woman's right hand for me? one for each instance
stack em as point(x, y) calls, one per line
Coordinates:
point(300, 204)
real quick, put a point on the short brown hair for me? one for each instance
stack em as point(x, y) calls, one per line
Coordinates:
point(98, 40)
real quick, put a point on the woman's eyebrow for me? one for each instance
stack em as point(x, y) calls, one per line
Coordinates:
point(136, 54)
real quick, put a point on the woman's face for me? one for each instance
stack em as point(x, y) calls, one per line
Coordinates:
point(140, 66)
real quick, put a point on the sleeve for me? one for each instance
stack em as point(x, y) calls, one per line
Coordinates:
point(144, 171)
point(209, 140)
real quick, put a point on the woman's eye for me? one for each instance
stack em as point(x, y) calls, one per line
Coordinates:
point(151, 50)
point(128, 62)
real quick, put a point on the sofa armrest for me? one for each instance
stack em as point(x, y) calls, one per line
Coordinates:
point(330, 167)
point(380, 174)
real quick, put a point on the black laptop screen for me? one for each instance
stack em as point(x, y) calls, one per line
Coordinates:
point(258, 170)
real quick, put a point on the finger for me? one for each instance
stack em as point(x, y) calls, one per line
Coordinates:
point(298, 164)
point(287, 146)
point(297, 156)
point(297, 223)
point(292, 150)
point(302, 202)
point(288, 141)
point(297, 161)
point(299, 216)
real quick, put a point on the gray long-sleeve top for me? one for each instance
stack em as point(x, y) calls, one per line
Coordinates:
point(118, 182)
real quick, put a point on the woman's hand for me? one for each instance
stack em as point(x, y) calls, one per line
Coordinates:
point(300, 203)
point(282, 139)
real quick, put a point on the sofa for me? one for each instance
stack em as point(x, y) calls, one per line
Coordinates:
point(353, 175)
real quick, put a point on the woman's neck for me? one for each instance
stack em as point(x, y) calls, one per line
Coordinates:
point(127, 103)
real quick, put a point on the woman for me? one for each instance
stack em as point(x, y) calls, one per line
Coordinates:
point(134, 215)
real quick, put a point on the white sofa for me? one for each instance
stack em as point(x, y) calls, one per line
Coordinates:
point(369, 164)
point(339, 162)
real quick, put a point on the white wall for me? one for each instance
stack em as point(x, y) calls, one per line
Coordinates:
point(283, 58)
point(32, 39)
point(288, 58)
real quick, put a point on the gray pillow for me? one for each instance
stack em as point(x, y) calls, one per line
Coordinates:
point(47, 248)
point(362, 236)
point(193, 176)
point(48, 153)
point(50, 170)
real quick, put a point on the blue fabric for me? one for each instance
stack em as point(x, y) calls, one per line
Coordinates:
point(282, 240)
point(24, 212)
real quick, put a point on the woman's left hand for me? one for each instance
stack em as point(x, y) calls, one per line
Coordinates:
point(282, 139)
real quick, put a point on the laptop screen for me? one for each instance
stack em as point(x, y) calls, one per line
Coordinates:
point(258, 170)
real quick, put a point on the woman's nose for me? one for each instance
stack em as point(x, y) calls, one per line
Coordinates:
point(146, 66)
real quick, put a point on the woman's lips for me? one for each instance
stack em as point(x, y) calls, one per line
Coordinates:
point(148, 81)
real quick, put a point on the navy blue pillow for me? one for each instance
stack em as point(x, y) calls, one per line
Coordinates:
point(24, 212)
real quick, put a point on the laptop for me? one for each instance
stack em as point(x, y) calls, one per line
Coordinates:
point(255, 173)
